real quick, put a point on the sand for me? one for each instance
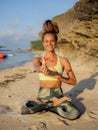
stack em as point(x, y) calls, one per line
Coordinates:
point(20, 84)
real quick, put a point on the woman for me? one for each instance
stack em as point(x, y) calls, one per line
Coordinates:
point(50, 68)
point(49, 25)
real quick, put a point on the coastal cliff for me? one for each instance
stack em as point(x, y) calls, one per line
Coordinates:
point(78, 37)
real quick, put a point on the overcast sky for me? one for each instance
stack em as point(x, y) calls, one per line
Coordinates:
point(21, 20)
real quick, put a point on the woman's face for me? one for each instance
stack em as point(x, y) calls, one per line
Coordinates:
point(49, 42)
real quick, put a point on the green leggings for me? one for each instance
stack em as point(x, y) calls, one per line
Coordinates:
point(65, 109)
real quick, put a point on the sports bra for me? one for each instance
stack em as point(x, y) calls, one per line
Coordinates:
point(57, 67)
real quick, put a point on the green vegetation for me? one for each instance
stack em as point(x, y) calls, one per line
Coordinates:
point(36, 45)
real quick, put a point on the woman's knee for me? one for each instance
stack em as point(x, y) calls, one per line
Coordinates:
point(74, 114)
point(71, 112)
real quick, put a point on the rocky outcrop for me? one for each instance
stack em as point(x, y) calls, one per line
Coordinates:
point(79, 29)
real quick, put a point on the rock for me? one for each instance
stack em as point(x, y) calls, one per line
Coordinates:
point(19, 50)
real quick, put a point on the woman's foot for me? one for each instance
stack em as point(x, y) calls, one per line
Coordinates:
point(57, 102)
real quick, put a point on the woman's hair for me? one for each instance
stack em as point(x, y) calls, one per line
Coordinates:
point(50, 26)
point(50, 32)
point(47, 21)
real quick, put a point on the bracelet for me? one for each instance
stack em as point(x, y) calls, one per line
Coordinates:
point(68, 71)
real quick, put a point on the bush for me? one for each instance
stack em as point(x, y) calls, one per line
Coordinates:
point(36, 45)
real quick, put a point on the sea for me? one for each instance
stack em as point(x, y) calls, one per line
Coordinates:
point(15, 59)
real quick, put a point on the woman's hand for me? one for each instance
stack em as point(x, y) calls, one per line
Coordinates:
point(44, 69)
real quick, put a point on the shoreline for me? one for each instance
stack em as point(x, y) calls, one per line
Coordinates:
point(19, 63)
point(13, 66)
point(19, 84)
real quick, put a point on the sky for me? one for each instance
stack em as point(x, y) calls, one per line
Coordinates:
point(22, 20)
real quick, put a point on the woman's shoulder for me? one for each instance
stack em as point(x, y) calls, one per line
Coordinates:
point(64, 60)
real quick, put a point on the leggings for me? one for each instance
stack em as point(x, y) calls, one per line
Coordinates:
point(65, 109)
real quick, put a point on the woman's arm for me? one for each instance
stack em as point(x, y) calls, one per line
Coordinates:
point(36, 64)
point(70, 79)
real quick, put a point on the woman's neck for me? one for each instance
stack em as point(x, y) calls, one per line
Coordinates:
point(50, 54)
point(50, 57)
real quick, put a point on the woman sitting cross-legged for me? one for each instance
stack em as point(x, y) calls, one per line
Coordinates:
point(50, 68)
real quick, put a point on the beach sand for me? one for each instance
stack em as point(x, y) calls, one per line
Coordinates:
point(20, 84)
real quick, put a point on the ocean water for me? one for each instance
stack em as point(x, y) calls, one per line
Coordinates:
point(15, 60)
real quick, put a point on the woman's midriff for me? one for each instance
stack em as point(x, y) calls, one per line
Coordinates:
point(50, 84)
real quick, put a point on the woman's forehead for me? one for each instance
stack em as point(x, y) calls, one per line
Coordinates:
point(49, 35)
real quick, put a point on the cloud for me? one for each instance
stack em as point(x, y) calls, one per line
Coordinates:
point(12, 37)
point(15, 23)
point(18, 36)
point(4, 33)
point(29, 27)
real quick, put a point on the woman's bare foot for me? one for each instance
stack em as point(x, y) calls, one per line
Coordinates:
point(57, 101)
point(36, 100)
